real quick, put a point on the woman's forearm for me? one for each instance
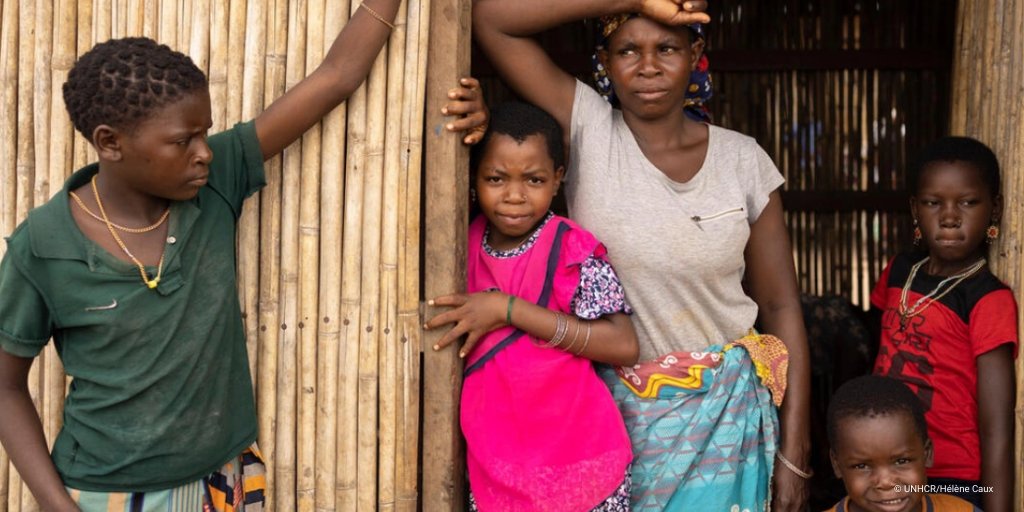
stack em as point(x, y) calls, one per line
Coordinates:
point(786, 322)
point(608, 339)
point(528, 17)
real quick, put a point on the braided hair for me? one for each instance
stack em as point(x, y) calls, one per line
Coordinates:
point(121, 82)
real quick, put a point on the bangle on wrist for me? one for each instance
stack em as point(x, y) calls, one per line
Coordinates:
point(806, 475)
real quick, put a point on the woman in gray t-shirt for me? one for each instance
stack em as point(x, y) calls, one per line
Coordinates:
point(689, 212)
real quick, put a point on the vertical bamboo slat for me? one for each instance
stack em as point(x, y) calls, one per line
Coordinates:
point(444, 261)
point(9, 123)
point(369, 318)
point(388, 271)
point(250, 68)
point(329, 320)
point(987, 79)
point(309, 265)
point(348, 383)
point(408, 258)
point(287, 208)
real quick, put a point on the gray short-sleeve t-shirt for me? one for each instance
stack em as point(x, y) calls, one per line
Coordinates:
point(678, 247)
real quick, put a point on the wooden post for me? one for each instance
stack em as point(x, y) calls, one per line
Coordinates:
point(445, 260)
point(988, 75)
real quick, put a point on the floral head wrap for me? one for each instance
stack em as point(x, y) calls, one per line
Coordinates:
point(698, 92)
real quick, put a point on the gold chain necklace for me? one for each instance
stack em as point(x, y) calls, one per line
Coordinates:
point(146, 229)
point(922, 304)
point(150, 283)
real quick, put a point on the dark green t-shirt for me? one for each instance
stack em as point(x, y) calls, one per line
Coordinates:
point(161, 393)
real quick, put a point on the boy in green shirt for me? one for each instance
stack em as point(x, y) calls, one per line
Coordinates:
point(131, 270)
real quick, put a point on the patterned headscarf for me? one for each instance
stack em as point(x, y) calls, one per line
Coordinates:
point(698, 92)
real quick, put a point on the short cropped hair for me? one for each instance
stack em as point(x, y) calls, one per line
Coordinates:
point(121, 82)
point(870, 396)
point(957, 149)
point(520, 120)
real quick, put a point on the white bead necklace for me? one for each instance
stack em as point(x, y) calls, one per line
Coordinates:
point(937, 293)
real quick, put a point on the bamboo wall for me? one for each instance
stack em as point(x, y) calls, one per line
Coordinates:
point(988, 81)
point(328, 252)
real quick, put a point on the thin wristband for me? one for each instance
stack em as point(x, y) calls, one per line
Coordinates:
point(792, 467)
point(378, 16)
point(508, 314)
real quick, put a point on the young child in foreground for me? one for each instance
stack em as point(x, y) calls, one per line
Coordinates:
point(880, 449)
point(542, 430)
point(131, 270)
point(949, 327)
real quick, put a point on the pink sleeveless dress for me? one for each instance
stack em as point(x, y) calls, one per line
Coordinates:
point(542, 430)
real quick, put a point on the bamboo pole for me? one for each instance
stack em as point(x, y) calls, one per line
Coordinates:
point(387, 366)
point(247, 71)
point(287, 208)
point(408, 258)
point(369, 319)
point(446, 211)
point(355, 161)
point(9, 124)
point(308, 285)
point(103, 19)
point(331, 206)
point(81, 149)
point(199, 36)
point(987, 79)
point(41, 98)
point(306, 186)
point(217, 76)
point(167, 25)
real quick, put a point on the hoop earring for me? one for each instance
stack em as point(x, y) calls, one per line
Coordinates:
point(991, 234)
point(472, 195)
point(917, 233)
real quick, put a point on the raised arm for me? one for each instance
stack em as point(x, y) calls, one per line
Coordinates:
point(772, 280)
point(22, 436)
point(504, 29)
point(339, 75)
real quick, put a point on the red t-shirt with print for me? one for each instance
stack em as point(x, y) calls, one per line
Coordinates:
point(935, 354)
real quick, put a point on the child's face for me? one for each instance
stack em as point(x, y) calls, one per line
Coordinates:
point(874, 455)
point(166, 155)
point(515, 184)
point(649, 66)
point(953, 206)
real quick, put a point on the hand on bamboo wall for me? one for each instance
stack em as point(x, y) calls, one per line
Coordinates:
point(467, 102)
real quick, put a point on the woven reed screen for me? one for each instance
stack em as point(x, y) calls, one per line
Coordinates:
point(328, 251)
point(841, 94)
point(988, 79)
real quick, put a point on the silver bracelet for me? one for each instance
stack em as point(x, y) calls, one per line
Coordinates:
point(575, 337)
point(586, 341)
point(561, 329)
point(792, 467)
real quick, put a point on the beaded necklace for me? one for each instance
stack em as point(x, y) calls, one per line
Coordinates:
point(906, 313)
point(150, 283)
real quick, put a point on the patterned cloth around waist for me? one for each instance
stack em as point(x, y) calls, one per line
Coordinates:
point(704, 426)
point(239, 486)
point(679, 373)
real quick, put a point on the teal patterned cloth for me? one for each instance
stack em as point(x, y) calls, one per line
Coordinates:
point(710, 448)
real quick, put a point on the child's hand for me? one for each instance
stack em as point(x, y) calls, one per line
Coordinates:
point(675, 12)
point(467, 102)
point(474, 315)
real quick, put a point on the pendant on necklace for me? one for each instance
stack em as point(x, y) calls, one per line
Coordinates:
point(903, 322)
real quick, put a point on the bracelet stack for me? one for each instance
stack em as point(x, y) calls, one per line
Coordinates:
point(562, 330)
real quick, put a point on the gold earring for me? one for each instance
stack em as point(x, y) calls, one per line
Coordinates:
point(917, 233)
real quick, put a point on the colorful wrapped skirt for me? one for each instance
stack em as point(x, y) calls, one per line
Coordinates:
point(704, 425)
point(239, 486)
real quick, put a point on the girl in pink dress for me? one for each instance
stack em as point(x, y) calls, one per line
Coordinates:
point(542, 430)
